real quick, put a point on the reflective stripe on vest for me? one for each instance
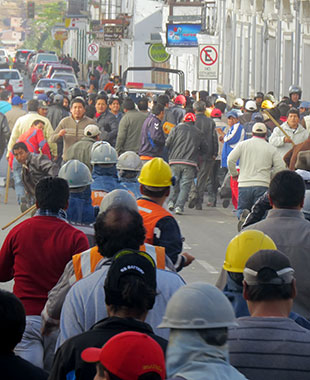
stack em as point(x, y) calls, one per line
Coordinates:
point(85, 263)
point(151, 213)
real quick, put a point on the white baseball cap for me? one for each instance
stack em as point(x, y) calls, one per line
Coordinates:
point(91, 130)
point(259, 128)
point(250, 105)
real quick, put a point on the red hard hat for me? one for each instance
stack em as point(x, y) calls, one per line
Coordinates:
point(190, 117)
point(180, 99)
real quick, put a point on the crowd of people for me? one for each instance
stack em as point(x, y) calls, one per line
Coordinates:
point(98, 288)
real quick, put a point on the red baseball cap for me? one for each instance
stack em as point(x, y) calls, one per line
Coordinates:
point(128, 355)
point(216, 112)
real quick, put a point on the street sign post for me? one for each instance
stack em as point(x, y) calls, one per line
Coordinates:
point(93, 52)
point(208, 61)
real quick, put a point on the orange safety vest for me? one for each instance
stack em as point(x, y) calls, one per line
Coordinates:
point(151, 213)
point(85, 263)
point(97, 196)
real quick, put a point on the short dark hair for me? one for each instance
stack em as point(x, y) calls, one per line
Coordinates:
point(154, 194)
point(261, 134)
point(12, 321)
point(157, 109)
point(128, 104)
point(102, 97)
point(293, 110)
point(20, 145)
point(33, 105)
point(78, 99)
point(203, 95)
point(38, 121)
point(113, 99)
point(143, 104)
point(118, 228)
point(135, 294)
point(170, 93)
point(287, 189)
point(199, 106)
point(269, 292)
point(52, 194)
point(163, 99)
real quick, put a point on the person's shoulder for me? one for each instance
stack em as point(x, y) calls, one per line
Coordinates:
point(13, 366)
point(92, 281)
point(170, 278)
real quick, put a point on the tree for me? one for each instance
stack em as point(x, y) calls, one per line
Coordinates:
point(40, 36)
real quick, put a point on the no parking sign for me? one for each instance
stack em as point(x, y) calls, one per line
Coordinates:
point(208, 61)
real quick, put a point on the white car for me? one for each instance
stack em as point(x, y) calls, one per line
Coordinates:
point(46, 86)
point(15, 79)
point(4, 59)
point(67, 77)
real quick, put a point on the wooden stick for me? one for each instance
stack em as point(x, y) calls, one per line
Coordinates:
point(33, 207)
point(7, 184)
point(278, 125)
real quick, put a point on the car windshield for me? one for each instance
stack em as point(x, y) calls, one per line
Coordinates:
point(50, 83)
point(9, 75)
point(23, 54)
point(67, 78)
point(2, 52)
point(47, 57)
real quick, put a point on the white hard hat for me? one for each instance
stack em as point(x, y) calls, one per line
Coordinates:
point(198, 306)
point(103, 153)
point(129, 161)
point(120, 198)
point(76, 173)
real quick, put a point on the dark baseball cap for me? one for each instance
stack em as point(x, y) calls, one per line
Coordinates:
point(128, 262)
point(268, 267)
point(232, 114)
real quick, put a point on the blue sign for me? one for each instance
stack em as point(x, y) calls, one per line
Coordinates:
point(182, 35)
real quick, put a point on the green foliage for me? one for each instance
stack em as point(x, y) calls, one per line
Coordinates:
point(47, 15)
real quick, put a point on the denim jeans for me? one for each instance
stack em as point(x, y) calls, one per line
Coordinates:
point(35, 348)
point(18, 183)
point(198, 189)
point(248, 196)
point(184, 176)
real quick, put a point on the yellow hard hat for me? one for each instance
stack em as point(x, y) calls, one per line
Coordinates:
point(156, 173)
point(267, 105)
point(243, 246)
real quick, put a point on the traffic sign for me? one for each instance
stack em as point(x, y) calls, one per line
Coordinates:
point(157, 53)
point(208, 61)
point(93, 52)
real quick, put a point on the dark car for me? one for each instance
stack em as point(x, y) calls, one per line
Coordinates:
point(20, 59)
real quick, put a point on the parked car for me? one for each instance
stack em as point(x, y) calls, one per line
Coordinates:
point(53, 68)
point(70, 79)
point(20, 59)
point(47, 85)
point(4, 59)
point(16, 80)
point(39, 57)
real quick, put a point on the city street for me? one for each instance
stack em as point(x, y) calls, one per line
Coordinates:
point(206, 234)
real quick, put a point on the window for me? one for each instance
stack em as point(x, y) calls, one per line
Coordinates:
point(9, 75)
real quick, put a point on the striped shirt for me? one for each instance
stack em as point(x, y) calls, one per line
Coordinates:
point(270, 348)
